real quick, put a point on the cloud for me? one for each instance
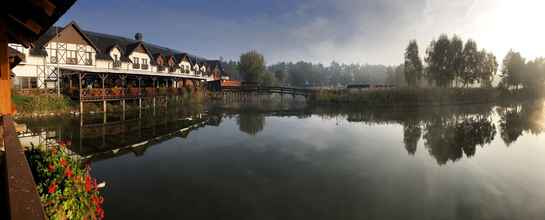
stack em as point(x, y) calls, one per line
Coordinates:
point(351, 31)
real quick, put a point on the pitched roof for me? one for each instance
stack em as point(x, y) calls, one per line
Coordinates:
point(105, 42)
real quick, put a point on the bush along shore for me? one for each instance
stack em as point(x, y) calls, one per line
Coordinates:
point(40, 104)
point(422, 96)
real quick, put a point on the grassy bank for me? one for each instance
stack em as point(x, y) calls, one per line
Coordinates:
point(421, 96)
point(42, 104)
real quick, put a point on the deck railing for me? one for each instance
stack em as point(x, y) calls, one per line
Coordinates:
point(124, 93)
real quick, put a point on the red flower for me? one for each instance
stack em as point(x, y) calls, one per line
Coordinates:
point(51, 168)
point(52, 188)
point(87, 183)
point(68, 172)
point(63, 162)
point(95, 184)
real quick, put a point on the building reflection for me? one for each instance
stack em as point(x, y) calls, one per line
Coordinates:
point(100, 141)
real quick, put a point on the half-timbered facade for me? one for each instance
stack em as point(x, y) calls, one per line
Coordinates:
point(62, 55)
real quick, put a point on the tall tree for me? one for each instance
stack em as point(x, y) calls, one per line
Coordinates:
point(512, 70)
point(471, 64)
point(252, 66)
point(413, 64)
point(438, 57)
point(456, 57)
point(488, 68)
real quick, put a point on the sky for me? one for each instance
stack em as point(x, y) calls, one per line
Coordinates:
point(346, 31)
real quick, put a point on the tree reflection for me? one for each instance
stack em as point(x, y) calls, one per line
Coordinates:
point(251, 122)
point(448, 139)
point(412, 131)
point(515, 121)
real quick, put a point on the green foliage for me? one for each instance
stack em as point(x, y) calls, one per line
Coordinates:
point(42, 103)
point(471, 63)
point(513, 70)
point(440, 59)
point(66, 189)
point(409, 96)
point(252, 66)
point(413, 64)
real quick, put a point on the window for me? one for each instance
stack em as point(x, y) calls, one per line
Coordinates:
point(144, 61)
point(115, 57)
point(88, 58)
point(136, 60)
point(71, 57)
point(26, 82)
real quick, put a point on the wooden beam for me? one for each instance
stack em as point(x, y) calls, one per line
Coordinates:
point(6, 107)
point(46, 5)
point(28, 24)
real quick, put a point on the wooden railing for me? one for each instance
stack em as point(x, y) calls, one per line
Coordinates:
point(120, 93)
point(268, 89)
point(23, 199)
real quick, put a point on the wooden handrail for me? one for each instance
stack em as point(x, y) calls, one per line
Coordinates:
point(23, 199)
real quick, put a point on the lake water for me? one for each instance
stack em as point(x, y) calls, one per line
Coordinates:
point(304, 162)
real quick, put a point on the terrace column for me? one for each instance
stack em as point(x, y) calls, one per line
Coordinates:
point(140, 93)
point(123, 85)
point(80, 88)
point(6, 107)
point(155, 90)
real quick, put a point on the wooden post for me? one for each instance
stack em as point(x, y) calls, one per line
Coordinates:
point(6, 107)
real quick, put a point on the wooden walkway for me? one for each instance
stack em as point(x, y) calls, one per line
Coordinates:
point(268, 90)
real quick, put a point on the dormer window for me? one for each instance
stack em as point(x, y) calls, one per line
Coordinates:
point(135, 63)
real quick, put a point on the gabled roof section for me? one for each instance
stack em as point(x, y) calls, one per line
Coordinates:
point(106, 54)
point(132, 47)
point(82, 33)
point(104, 43)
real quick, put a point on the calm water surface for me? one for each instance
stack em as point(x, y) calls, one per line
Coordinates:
point(242, 162)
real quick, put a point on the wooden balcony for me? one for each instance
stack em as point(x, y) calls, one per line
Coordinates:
point(136, 66)
point(95, 94)
point(117, 64)
point(144, 66)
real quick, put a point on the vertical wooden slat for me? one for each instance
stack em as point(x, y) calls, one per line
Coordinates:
point(6, 107)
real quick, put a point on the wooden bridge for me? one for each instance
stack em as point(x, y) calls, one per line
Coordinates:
point(269, 90)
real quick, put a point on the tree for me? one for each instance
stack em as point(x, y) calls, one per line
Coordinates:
point(440, 69)
point(280, 76)
point(252, 66)
point(471, 63)
point(456, 57)
point(268, 79)
point(488, 68)
point(513, 69)
point(413, 64)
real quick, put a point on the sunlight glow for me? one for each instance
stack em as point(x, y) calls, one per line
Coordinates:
point(514, 25)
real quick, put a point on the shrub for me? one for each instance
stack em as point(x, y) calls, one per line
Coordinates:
point(65, 186)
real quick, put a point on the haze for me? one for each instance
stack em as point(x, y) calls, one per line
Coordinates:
point(349, 31)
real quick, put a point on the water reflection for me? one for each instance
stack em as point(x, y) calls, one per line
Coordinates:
point(250, 122)
point(447, 133)
point(519, 119)
point(326, 162)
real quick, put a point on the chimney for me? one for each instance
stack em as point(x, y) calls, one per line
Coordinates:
point(138, 36)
